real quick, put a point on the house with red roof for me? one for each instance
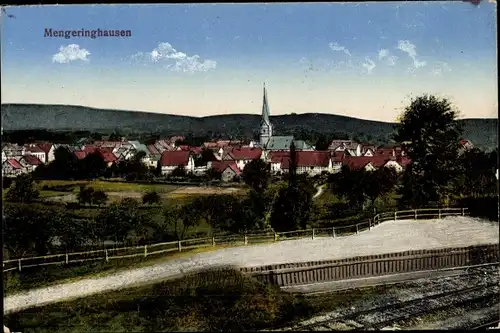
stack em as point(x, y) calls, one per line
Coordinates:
point(12, 168)
point(243, 155)
point(80, 154)
point(351, 147)
point(107, 156)
point(275, 159)
point(359, 162)
point(310, 162)
point(30, 162)
point(49, 150)
point(170, 160)
point(228, 169)
point(33, 149)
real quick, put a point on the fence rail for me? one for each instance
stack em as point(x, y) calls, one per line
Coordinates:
point(243, 239)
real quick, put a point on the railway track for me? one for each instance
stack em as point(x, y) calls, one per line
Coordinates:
point(490, 324)
point(380, 317)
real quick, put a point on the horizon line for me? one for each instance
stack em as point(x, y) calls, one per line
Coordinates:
point(217, 115)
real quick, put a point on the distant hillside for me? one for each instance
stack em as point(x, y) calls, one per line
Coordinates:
point(482, 132)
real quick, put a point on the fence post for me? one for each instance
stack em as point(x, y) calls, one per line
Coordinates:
point(313, 233)
point(245, 239)
point(357, 229)
point(19, 265)
point(333, 232)
point(463, 211)
point(106, 253)
point(145, 250)
point(395, 215)
point(213, 241)
point(415, 214)
point(179, 246)
point(67, 258)
point(369, 224)
point(275, 236)
point(439, 213)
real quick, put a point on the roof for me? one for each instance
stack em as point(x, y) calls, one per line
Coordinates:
point(234, 168)
point(31, 160)
point(14, 163)
point(196, 150)
point(358, 162)
point(175, 158)
point(152, 150)
point(79, 154)
point(300, 144)
point(45, 147)
point(34, 149)
point(89, 149)
point(223, 165)
point(348, 144)
point(279, 143)
point(338, 156)
point(245, 153)
point(277, 156)
point(107, 156)
point(309, 159)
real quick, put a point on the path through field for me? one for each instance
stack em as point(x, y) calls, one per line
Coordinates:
point(391, 236)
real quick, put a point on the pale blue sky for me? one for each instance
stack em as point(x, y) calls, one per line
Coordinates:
point(362, 60)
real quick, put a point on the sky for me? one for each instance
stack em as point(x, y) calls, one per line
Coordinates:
point(364, 60)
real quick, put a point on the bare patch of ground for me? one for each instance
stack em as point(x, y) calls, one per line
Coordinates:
point(202, 190)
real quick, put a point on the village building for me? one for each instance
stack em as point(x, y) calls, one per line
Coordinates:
point(12, 168)
point(170, 160)
point(244, 155)
point(309, 162)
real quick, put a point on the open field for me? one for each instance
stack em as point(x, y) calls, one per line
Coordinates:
point(107, 186)
point(391, 236)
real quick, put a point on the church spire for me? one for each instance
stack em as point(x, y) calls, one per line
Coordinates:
point(265, 107)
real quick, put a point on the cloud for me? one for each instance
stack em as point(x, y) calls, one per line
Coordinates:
point(69, 53)
point(385, 54)
point(406, 46)
point(338, 47)
point(175, 60)
point(440, 68)
point(368, 65)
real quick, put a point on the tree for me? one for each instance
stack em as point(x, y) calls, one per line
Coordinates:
point(292, 167)
point(213, 174)
point(292, 209)
point(23, 190)
point(256, 174)
point(32, 227)
point(322, 143)
point(85, 195)
point(430, 135)
point(119, 219)
point(151, 198)
point(92, 166)
point(179, 172)
point(378, 183)
point(99, 198)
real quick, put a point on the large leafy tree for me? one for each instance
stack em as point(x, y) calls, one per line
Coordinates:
point(430, 134)
point(256, 174)
point(292, 209)
point(119, 219)
point(31, 228)
point(23, 189)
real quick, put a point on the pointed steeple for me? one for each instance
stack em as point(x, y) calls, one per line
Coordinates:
point(265, 107)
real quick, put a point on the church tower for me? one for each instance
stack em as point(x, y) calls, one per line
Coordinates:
point(266, 129)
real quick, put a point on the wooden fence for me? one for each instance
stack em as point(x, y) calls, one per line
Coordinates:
point(245, 239)
point(374, 265)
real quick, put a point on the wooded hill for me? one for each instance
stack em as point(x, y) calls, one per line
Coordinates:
point(482, 132)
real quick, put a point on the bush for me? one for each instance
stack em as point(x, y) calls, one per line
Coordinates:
point(484, 207)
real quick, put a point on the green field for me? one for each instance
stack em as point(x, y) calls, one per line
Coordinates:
point(107, 186)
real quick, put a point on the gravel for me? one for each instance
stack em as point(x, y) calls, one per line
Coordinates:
point(391, 236)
